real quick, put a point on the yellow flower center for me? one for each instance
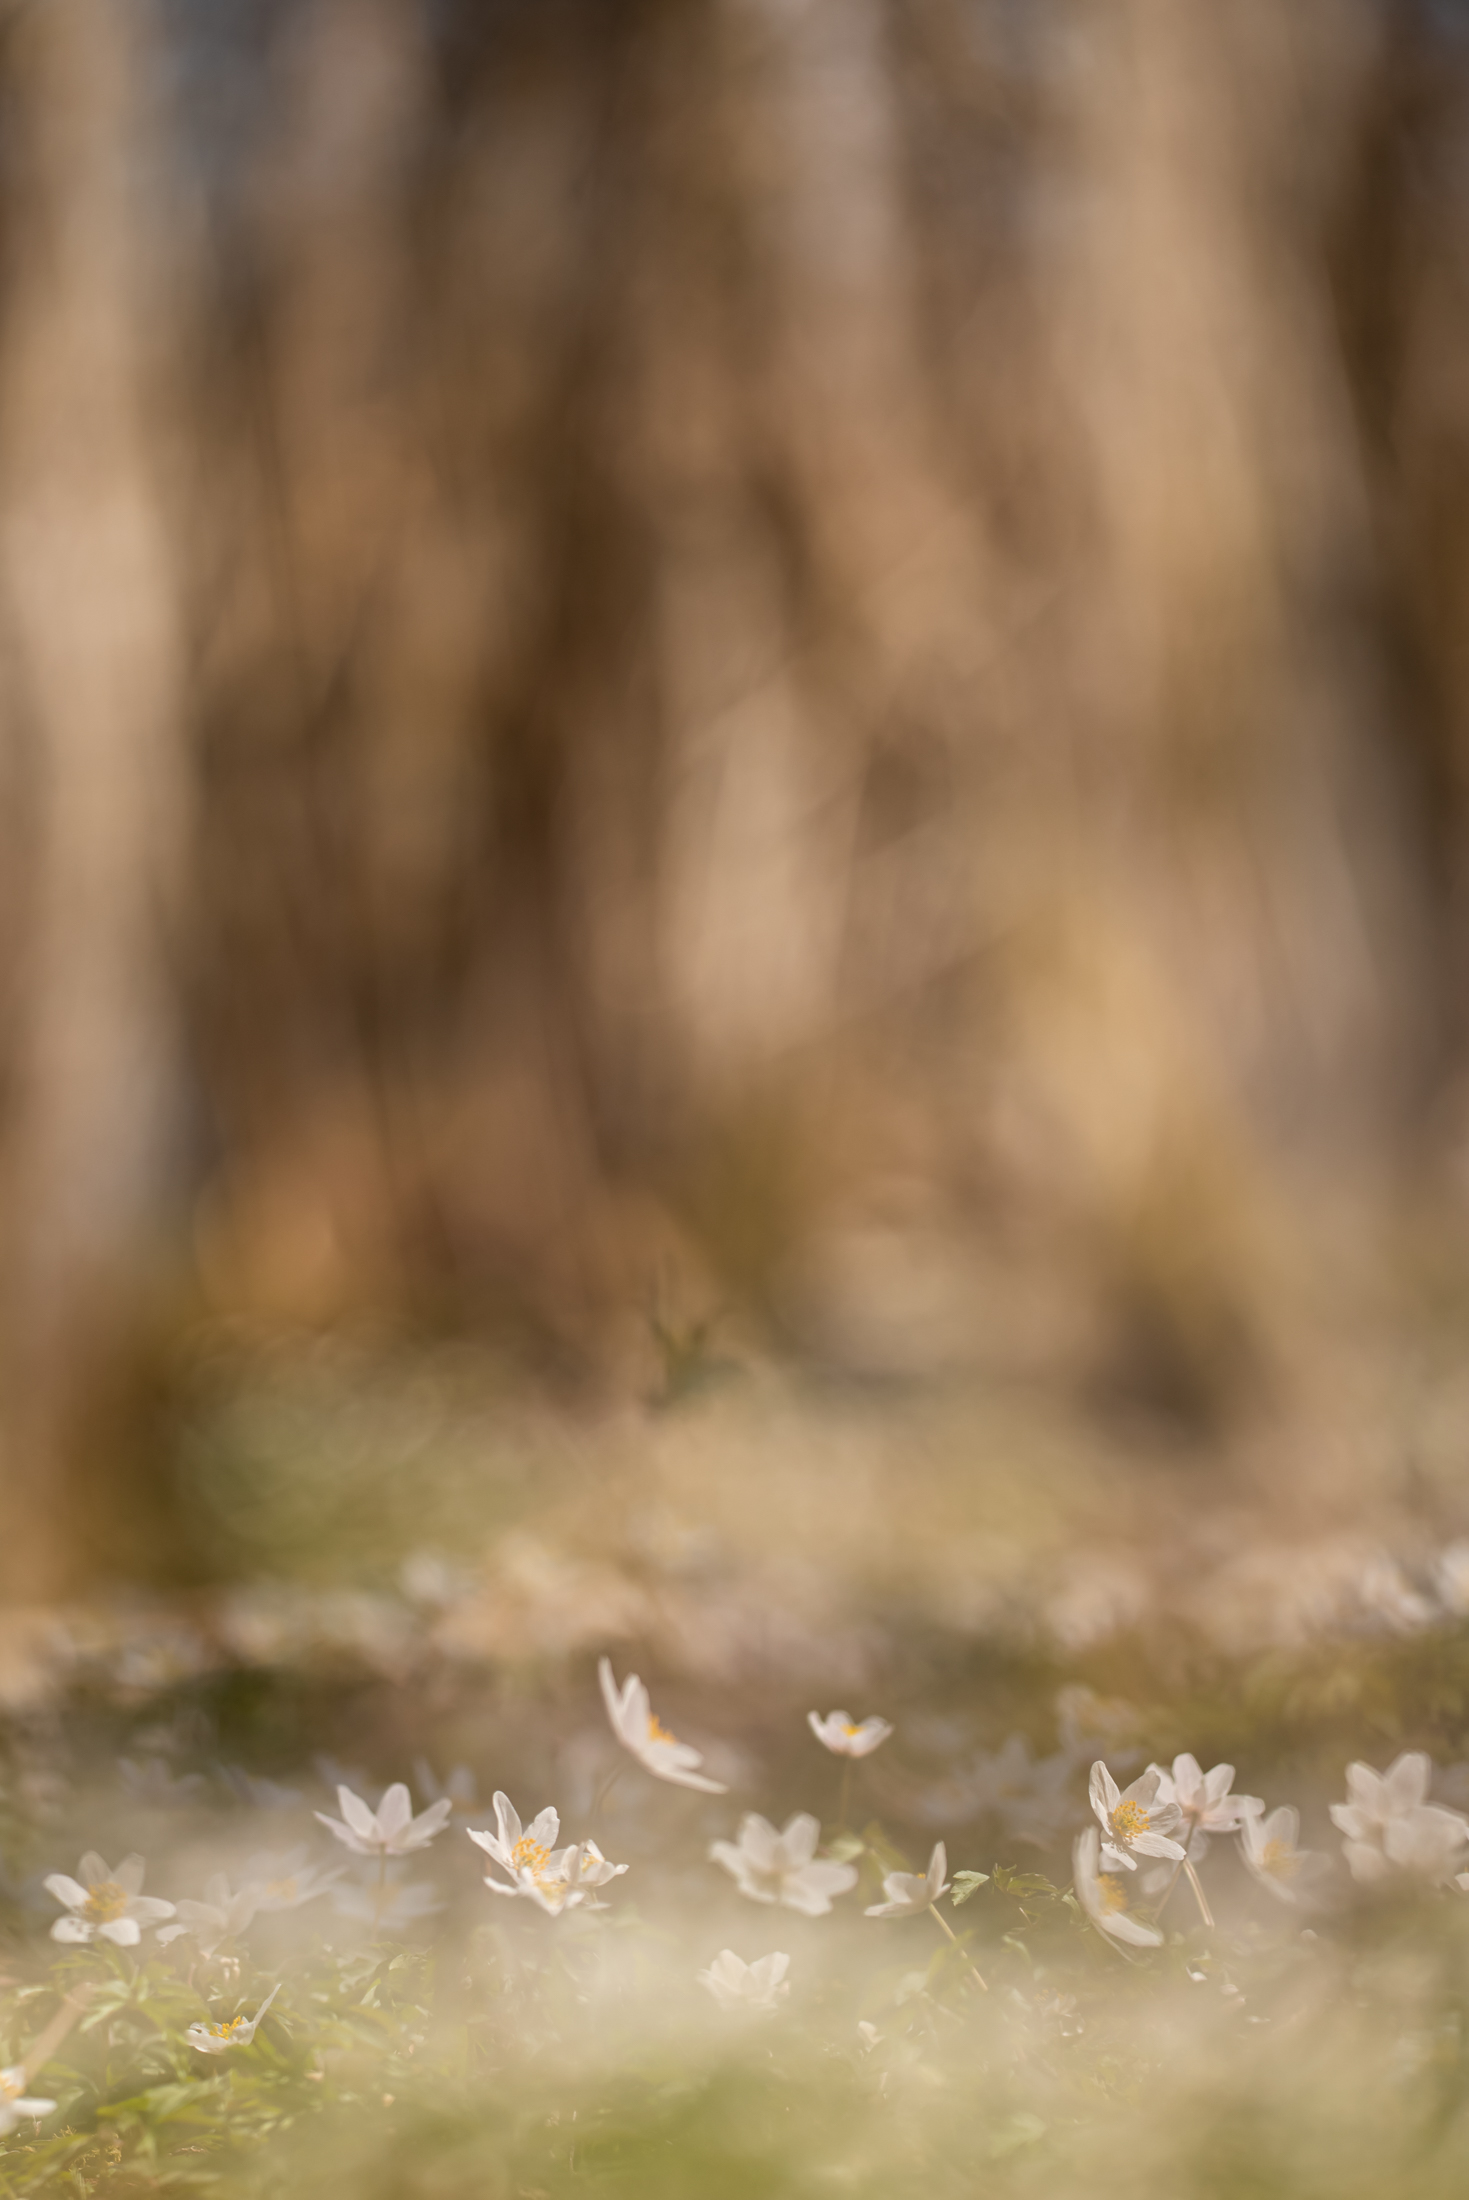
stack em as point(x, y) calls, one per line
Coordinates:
point(105, 1902)
point(282, 1890)
point(849, 1729)
point(227, 2031)
point(1280, 1858)
point(1113, 1894)
point(658, 1732)
point(11, 2084)
point(1129, 1820)
point(529, 1856)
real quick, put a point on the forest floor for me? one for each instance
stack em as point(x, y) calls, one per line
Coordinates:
point(410, 1570)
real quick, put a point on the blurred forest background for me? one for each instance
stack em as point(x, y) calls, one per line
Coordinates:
point(772, 677)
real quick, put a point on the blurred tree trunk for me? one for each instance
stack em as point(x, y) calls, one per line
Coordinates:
point(93, 706)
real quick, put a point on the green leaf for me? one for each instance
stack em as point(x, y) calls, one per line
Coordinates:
point(1022, 1884)
point(965, 1884)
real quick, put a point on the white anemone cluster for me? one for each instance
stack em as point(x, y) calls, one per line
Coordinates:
point(1392, 1829)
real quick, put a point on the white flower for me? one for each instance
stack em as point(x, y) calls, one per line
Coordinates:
point(660, 1752)
point(1135, 1819)
point(215, 2039)
point(461, 1789)
point(392, 1830)
point(1385, 1593)
point(555, 1879)
point(909, 1892)
point(387, 1908)
point(259, 1794)
point(1268, 1846)
point(1204, 1800)
point(14, 2103)
point(283, 1880)
point(218, 1918)
point(783, 1867)
point(735, 1984)
point(1029, 1796)
point(586, 1866)
point(1104, 1897)
point(845, 1736)
point(1086, 1722)
point(518, 1848)
point(559, 1883)
point(1451, 1578)
point(1374, 1799)
point(1390, 1826)
point(153, 1784)
point(105, 1904)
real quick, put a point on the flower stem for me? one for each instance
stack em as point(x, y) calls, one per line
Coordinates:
point(1193, 1879)
point(949, 1934)
point(846, 1795)
point(1167, 1891)
point(594, 1815)
point(45, 2044)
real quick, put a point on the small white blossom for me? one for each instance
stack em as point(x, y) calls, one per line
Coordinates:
point(388, 1908)
point(735, 1984)
point(586, 1866)
point(154, 1784)
point(848, 1737)
point(909, 1892)
point(783, 1867)
point(1451, 1578)
point(660, 1752)
point(259, 1794)
point(1388, 1598)
point(518, 1848)
point(216, 2039)
point(1104, 1897)
point(460, 1790)
point(218, 1918)
point(1268, 1846)
point(1087, 1722)
point(559, 1883)
point(105, 1904)
point(1389, 1826)
point(1136, 1821)
point(1204, 1799)
point(283, 1880)
point(14, 2102)
point(391, 1830)
point(1029, 1796)
point(555, 1879)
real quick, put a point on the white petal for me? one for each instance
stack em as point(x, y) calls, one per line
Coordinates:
point(148, 1908)
point(798, 1840)
point(357, 1815)
point(426, 1827)
point(130, 1873)
point(760, 1842)
point(507, 1821)
point(395, 1811)
point(344, 1834)
point(1156, 1844)
point(1406, 1779)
